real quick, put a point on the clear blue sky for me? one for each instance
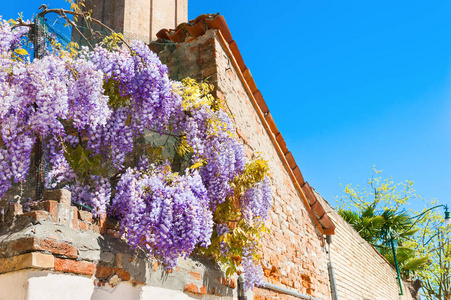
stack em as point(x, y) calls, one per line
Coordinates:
point(349, 84)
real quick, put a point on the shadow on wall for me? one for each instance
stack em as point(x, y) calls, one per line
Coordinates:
point(118, 265)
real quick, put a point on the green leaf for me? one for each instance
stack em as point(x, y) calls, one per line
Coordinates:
point(416, 264)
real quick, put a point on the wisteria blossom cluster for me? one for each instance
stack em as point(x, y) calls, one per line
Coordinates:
point(165, 212)
point(10, 38)
point(254, 204)
point(252, 272)
point(37, 99)
point(90, 109)
point(256, 201)
point(210, 133)
point(142, 95)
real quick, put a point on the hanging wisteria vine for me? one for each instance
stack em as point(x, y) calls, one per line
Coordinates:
point(96, 113)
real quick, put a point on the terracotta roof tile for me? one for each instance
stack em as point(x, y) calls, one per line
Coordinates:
point(196, 29)
point(250, 80)
point(309, 193)
point(298, 175)
point(318, 209)
point(290, 160)
point(282, 143)
point(271, 123)
point(236, 53)
point(261, 102)
point(220, 23)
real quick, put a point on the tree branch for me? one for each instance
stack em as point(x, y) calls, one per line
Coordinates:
point(85, 15)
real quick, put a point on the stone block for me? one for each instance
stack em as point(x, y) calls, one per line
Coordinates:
point(74, 266)
point(25, 261)
point(203, 290)
point(74, 221)
point(64, 214)
point(57, 248)
point(12, 210)
point(36, 244)
point(85, 216)
point(62, 196)
point(83, 225)
point(122, 274)
point(32, 216)
point(89, 255)
point(16, 208)
point(107, 257)
point(102, 223)
point(191, 288)
point(103, 272)
point(51, 206)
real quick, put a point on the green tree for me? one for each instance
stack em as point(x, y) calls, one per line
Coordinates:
point(434, 239)
point(378, 229)
point(380, 211)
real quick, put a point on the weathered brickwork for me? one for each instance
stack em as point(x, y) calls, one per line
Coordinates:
point(57, 237)
point(293, 254)
point(196, 58)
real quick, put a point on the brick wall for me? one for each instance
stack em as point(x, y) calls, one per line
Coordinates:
point(293, 254)
point(56, 238)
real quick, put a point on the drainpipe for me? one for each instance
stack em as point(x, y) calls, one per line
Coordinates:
point(269, 286)
point(393, 249)
point(241, 291)
point(333, 286)
point(277, 288)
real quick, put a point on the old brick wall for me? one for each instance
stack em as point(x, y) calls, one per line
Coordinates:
point(56, 238)
point(293, 253)
point(360, 271)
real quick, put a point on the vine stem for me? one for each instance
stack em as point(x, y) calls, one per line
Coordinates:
point(85, 15)
point(166, 133)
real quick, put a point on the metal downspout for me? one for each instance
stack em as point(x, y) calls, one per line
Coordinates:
point(269, 286)
point(241, 291)
point(333, 286)
point(396, 263)
point(277, 288)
